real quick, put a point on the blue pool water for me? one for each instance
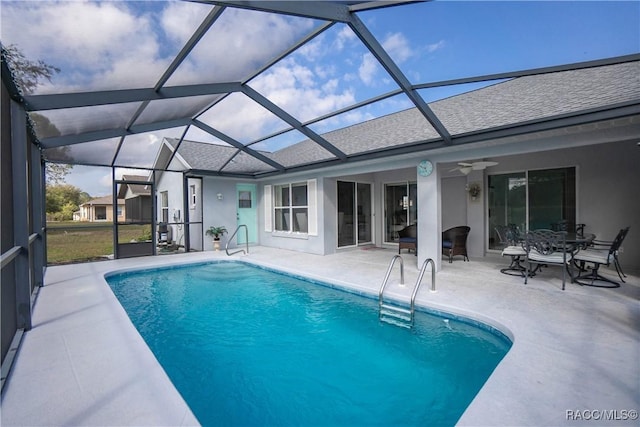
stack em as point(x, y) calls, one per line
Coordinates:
point(250, 347)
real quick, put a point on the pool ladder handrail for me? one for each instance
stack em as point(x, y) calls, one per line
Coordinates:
point(382, 306)
point(246, 240)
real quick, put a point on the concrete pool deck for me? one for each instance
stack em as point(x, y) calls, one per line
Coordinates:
point(574, 358)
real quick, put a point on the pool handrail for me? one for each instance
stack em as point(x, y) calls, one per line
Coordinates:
point(395, 310)
point(417, 286)
point(246, 240)
point(386, 277)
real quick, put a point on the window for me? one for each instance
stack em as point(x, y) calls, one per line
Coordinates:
point(244, 199)
point(192, 196)
point(291, 208)
point(291, 211)
point(164, 206)
point(401, 208)
point(101, 213)
point(119, 208)
point(531, 200)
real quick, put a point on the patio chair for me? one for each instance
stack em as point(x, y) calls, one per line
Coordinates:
point(408, 238)
point(601, 253)
point(454, 242)
point(565, 225)
point(547, 247)
point(509, 236)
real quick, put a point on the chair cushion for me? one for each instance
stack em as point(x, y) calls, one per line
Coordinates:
point(447, 244)
point(553, 258)
point(594, 255)
point(408, 240)
point(513, 251)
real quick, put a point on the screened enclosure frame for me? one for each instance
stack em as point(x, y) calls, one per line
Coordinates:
point(24, 150)
point(327, 14)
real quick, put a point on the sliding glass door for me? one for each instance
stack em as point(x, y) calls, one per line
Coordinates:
point(400, 208)
point(531, 200)
point(354, 213)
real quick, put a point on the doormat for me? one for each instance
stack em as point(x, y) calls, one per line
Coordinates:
point(372, 248)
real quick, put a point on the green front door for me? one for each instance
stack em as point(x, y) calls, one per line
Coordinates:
point(247, 212)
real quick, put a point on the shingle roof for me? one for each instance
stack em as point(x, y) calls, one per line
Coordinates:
point(200, 155)
point(137, 189)
point(539, 97)
point(104, 200)
point(516, 101)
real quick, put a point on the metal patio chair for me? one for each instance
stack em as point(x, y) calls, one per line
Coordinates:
point(547, 247)
point(509, 237)
point(601, 253)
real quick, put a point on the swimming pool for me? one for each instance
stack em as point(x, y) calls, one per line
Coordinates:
point(248, 346)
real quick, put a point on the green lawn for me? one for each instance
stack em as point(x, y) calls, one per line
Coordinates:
point(71, 241)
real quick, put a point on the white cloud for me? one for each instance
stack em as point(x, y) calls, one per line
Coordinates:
point(435, 46)
point(180, 19)
point(314, 49)
point(345, 36)
point(397, 46)
point(368, 68)
point(298, 90)
point(238, 44)
point(97, 45)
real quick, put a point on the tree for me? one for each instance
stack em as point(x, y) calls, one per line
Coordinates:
point(56, 172)
point(27, 75)
point(64, 199)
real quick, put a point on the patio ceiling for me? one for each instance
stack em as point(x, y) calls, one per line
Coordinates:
point(195, 86)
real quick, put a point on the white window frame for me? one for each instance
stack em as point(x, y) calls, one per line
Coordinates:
point(193, 196)
point(272, 207)
point(164, 206)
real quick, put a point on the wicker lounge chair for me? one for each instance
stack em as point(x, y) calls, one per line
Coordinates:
point(454, 242)
point(409, 238)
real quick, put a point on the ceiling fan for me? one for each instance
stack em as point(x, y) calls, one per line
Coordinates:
point(465, 167)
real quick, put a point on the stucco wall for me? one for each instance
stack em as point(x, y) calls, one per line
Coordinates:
point(607, 195)
point(608, 176)
point(219, 212)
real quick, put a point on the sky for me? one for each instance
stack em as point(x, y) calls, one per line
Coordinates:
point(127, 44)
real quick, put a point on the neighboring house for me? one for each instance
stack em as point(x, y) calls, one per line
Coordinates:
point(137, 198)
point(565, 143)
point(100, 209)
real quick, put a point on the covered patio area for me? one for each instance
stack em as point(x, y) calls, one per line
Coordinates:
point(574, 352)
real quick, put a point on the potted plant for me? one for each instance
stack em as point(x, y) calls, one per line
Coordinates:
point(216, 232)
point(474, 190)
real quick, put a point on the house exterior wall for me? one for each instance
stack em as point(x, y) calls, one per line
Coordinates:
point(223, 212)
point(606, 181)
point(171, 182)
point(607, 177)
point(314, 244)
point(607, 194)
point(88, 213)
point(196, 231)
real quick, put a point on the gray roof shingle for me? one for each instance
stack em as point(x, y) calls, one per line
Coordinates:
point(509, 103)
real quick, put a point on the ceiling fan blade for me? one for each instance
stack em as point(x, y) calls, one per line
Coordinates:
point(483, 165)
point(466, 169)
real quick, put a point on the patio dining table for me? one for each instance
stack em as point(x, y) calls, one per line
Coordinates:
point(579, 239)
point(574, 242)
